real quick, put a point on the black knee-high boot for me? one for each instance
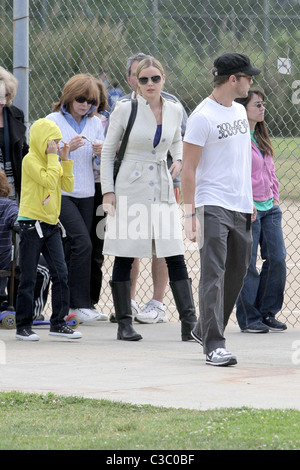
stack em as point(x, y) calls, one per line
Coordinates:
point(182, 293)
point(122, 303)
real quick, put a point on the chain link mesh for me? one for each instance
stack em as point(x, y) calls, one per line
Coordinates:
point(95, 36)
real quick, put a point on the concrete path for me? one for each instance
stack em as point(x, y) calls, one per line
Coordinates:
point(159, 370)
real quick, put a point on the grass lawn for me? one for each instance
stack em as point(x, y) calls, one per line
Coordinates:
point(287, 163)
point(41, 422)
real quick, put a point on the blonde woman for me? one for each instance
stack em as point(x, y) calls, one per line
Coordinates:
point(13, 145)
point(142, 211)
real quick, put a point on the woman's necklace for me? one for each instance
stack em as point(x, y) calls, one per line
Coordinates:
point(215, 99)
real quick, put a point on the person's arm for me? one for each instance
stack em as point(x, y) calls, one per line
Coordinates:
point(191, 158)
point(67, 182)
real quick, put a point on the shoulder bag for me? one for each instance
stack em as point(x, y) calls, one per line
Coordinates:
point(120, 154)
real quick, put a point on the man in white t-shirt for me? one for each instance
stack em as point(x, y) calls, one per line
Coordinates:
point(216, 189)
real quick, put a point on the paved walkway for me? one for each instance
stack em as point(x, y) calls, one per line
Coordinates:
point(159, 370)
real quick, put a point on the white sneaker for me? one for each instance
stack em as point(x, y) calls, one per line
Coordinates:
point(153, 312)
point(85, 314)
point(135, 309)
point(220, 357)
point(101, 316)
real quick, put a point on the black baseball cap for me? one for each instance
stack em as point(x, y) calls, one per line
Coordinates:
point(232, 63)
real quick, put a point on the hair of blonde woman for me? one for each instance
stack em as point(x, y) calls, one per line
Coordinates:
point(4, 185)
point(148, 62)
point(82, 84)
point(11, 84)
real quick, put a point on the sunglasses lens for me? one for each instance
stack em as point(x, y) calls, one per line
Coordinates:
point(143, 80)
point(156, 79)
point(82, 99)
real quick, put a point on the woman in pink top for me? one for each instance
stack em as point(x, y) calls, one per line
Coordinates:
point(262, 295)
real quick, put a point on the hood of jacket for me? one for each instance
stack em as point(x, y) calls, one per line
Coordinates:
point(41, 132)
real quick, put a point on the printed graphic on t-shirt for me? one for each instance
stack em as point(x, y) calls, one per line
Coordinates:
point(227, 130)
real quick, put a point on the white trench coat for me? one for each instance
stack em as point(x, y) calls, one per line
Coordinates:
point(146, 221)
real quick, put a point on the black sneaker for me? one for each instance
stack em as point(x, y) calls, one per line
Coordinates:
point(64, 331)
point(258, 327)
point(273, 324)
point(26, 334)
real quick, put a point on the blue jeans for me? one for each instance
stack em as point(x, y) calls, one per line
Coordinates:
point(30, 248)
point(263, 291)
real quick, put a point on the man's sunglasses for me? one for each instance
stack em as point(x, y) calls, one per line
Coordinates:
point(154, 79)
point(83, 99)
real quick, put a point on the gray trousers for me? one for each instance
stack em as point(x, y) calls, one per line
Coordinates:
point(224, 258)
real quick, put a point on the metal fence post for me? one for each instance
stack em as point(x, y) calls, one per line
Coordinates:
point(21, 54)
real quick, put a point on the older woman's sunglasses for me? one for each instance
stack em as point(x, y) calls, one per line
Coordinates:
point(154, 79)
point(83, 99)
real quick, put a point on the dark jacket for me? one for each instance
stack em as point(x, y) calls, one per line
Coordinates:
point(18, 144)
point(8, 216)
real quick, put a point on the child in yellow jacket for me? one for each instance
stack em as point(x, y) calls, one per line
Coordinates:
point(46, 170)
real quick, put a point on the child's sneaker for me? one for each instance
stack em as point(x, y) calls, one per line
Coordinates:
point(26, 334)
point(64, 331)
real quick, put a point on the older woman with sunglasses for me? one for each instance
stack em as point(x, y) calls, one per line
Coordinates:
point(75, 115)
point(262, 295)
point(142, 211)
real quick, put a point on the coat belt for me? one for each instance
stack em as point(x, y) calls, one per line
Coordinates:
point(165, 193)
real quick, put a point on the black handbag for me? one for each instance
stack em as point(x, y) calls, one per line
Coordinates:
point(121, 152)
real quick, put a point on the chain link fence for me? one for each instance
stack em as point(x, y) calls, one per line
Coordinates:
point(72, 36)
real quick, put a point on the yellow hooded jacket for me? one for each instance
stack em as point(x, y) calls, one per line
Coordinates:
point(43, 175)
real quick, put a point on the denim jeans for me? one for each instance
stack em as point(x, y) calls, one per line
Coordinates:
point(30, 248)
point(263, 291)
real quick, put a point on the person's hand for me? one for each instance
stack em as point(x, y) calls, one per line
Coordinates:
point(75, 143)
point(254, 214)
point(97, 147)
point(175, 168)
point(51, 147)
point(64, 152)
point(109, 203)
point(192, 228)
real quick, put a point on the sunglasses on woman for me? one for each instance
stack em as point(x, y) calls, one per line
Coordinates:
point(154, 79)
point(259, 105)
point(83, 99)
